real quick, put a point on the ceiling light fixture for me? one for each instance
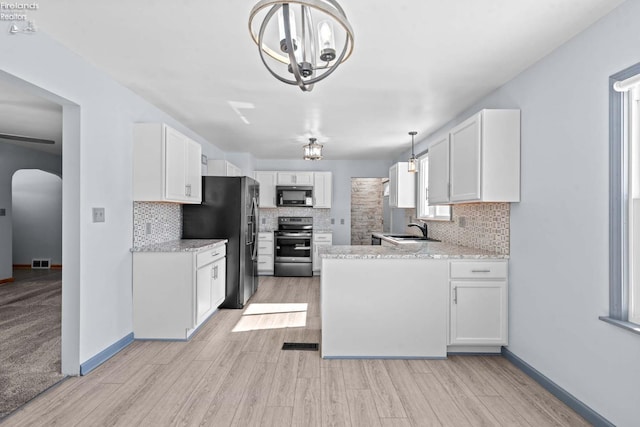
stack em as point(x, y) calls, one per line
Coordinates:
point(311, 48)
point(313, 150)
point(413, 166)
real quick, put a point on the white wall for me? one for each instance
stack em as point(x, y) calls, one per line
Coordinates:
point(342, 172)
point(12, 159)
point(559, 231)
point(37, 216)
point(97, 171)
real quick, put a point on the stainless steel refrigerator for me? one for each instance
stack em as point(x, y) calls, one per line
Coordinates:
point(229, 210)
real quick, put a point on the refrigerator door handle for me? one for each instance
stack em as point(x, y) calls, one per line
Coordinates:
point(254, 226)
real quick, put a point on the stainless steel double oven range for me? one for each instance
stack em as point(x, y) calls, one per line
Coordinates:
point(293, 240)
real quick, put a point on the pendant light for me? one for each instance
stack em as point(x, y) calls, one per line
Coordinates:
point(413, 165)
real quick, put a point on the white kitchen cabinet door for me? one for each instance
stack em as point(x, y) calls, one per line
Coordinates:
point(438, 172)
point(193, 172)
point(466, 160)
point(320, 239)
point(478, 312)
point(175, 165)
point(166, 165)
point(267, 180)
point(485, 158)
point(402, 186)
point(322, 191)
point(218, 282)
point(204, 281)
point(295, 178)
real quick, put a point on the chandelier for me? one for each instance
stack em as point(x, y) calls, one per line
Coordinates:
point(412, 166)
point(313, 150)
point(310, 46)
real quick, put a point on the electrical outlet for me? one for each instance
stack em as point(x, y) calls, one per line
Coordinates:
point(462, 221)
point(341, 221)
point(148, 228)
point(333, 221)
point(3, 212)
point(264, 221)
point(98, 214)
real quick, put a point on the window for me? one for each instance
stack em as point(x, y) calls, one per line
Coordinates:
point(624, 199)
point(423, 210)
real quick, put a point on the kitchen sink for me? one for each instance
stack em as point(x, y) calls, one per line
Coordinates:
point(410, 237)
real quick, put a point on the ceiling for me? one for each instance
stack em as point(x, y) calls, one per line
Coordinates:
point(416, 64)
point(25, 114)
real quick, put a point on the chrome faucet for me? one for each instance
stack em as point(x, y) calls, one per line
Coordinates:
point(422, 227)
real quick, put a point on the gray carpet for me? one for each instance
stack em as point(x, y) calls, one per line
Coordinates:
point(30, 315)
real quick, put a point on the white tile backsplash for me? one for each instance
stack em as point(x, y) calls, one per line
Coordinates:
point(155, 222)
point(269, 217)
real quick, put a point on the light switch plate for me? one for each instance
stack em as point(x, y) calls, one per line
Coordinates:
point(98, 214)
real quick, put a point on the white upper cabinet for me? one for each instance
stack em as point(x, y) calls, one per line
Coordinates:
point(438, 172)
point(484, 164)
point(267, 180)
point(295, 178)
point(402, 186)
point(166, 165)
point(217, 167)
point(322, 190)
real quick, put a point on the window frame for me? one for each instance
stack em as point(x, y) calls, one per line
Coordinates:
point(619, 268)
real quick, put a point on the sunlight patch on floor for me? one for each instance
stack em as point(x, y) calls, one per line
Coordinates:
point(266, 308)
point(272, 316)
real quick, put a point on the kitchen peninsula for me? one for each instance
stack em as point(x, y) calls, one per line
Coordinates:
point(414, 300)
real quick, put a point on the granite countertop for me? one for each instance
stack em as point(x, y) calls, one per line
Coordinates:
point(183, 245)
point(421, 250)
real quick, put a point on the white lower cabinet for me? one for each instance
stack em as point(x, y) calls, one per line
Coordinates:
point(210, 288)
point(478, 305)
point(320, 239)
point(175, 292)
point(265, 253)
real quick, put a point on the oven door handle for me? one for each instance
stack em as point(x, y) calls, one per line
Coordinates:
point(302, 248)
point(299, 235)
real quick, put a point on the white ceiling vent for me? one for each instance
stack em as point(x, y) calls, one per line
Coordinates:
point(41, 264)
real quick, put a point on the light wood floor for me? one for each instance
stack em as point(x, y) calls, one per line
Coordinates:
point(243, 378)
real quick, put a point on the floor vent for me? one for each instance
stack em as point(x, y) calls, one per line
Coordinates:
point(309, 346)
point(41, 264)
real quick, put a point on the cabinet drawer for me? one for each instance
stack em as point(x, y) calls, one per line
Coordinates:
point(265, 237)
point(265, 248)
point(478, 270)
point(210, 255)
point(322, 237)
point(265, 262)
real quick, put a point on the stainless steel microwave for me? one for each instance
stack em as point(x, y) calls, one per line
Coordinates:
point(294, 195)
